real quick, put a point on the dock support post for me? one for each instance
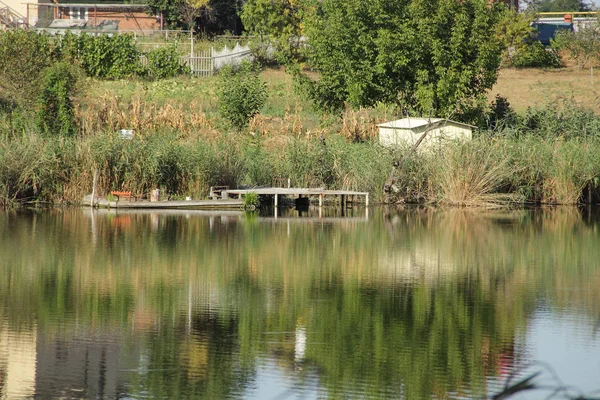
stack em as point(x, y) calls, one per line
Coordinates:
point(367, 200)
point(320, 200)
point(343, 198)
point(276, 200)
point(94, 187)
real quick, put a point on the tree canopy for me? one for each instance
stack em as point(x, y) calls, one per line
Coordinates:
point(211, 16)
point(428, 56)
point(561, 5)
point(278, 21)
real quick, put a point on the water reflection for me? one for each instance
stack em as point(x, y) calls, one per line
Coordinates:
point(399, 304)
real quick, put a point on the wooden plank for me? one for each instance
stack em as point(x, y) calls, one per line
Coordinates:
point(182, 204)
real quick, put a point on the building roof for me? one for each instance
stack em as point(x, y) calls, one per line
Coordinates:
point(410, 123)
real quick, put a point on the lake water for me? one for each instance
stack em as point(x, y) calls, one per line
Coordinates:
point(417, 303)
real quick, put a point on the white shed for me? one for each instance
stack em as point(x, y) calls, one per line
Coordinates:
point(408, 131)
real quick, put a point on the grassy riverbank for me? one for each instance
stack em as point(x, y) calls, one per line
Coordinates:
point(546, 155)
point(485, 171)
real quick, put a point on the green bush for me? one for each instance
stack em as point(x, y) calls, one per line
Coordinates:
point(164, 63)
point(23, 54)
point(55, 114)
point(242, 94)
point(582, 46)
point(534, 55)
point(104, 56)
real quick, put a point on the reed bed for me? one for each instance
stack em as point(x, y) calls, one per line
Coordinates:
point(485, 172)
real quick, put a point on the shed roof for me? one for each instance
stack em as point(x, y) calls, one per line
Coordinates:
point(410, 123)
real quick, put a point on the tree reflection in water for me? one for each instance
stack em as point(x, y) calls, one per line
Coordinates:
point(411, 304)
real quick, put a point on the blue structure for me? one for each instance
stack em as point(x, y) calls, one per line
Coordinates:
point(547, 31)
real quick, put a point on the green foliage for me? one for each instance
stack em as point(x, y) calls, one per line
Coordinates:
point(23, 54)
point(534, 55)
point(501, 115)
point(55, 113)
point(276, 23)
point(242, 94)
point(560, 5)
point(582, 46)
point(251, 201)
point(169, 9)
point(164, 63)
point(212, 17)
point(110, 57)
point(514, 29)
point(435, 57)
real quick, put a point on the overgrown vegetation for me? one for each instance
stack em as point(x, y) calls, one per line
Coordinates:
point(55, 114)
point(582, 46)
point(165, 62)
point(242, 93)
point(52, 137)
point(534, 55)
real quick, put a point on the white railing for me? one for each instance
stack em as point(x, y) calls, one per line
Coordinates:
point(207, 62)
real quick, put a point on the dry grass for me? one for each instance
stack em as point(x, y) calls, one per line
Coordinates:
point(470, 174)
point(536, 87)
point(111, 114)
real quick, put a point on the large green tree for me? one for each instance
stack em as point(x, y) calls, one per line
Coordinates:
point(428, 56)
point(561, 5)
point(277, 22)
point(210, 16)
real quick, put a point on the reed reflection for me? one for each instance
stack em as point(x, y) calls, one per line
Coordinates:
point(185, 304)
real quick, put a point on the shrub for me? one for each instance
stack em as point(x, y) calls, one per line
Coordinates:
point(164, 63)
point(103, 56)
point(23, 54)
point(55, 113)
point(582, 46)
point(501, 114)
point(241, 94)
point(534, 55)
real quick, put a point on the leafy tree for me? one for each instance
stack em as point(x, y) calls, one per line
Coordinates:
point(514, 29)
point(241, 94)
point(213, 16)
point(169, 9)
point(23, 54)
point(437, 56)
point(276, 22)
point(191, 10)
point(561, 5)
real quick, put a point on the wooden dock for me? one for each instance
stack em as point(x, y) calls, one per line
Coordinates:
point(344, 195)
point(221, 204)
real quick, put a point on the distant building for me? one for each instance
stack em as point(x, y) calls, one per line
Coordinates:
point(12, 14)
point(408, 131)
point(102, 15)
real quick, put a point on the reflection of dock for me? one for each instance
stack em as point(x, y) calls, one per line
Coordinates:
point(346, 196)
point(313, 220)
point(177, 212)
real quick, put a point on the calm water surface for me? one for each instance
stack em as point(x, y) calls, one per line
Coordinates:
point(405, 304)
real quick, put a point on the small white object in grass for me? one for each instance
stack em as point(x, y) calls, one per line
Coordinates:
point(126, 134)
point(188, 198)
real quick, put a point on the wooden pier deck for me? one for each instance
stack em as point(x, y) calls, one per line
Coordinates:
point(221, 204)
point(297, 192)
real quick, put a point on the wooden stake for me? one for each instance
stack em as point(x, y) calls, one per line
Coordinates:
point(94, 187)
